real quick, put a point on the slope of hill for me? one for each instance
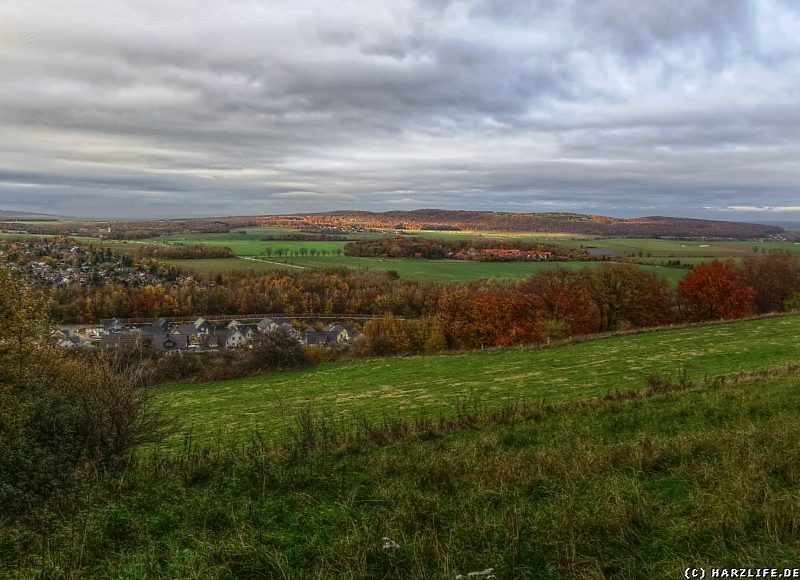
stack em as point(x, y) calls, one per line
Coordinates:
point(644, 227)
point(429, 385)
point(638, 488)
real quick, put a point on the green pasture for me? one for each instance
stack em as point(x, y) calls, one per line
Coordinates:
point(640, 488)
point(406, 268)
point(250, 245)
point(651, 253)
point(414, 386)
point(626, 246)
point(8, 235)
point(214, 266)
point(689, 248)
point(238, 234)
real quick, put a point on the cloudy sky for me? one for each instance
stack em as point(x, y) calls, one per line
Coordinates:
point(148, 108)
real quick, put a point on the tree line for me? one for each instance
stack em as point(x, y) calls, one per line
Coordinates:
point(559, 303)
point(551, 304)
point(432, 249)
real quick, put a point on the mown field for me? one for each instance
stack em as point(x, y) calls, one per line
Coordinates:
point(417, 386)
point(639, 488)
point(412, 269)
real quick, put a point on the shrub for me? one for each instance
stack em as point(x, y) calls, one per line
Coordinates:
point(276, 351)
point(59, 412)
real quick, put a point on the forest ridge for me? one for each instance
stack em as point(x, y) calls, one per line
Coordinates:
point(559, 222)
point(421, 219)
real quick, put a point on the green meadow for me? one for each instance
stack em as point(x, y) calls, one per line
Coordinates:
point(643, 487)
point(652, 254)
point(625, 246)
point(428, 385)
point(407, 268)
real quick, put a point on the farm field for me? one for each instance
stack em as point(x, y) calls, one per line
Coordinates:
point(246, 246)
point(690, 248)
point(624, 246)
point(21, 235)
point(414, 386)
point(408, 268)
point(652, 254)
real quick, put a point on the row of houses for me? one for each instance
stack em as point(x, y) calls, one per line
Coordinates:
point(203, 335)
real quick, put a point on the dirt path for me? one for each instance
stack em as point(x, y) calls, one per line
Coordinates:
point(252, 259)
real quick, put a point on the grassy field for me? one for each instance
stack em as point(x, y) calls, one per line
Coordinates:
point(652, 254)
point(634, 246)
point(250, 242)
point(416, 386)
point(411, 269)
point(21, 236)
point(639, 488)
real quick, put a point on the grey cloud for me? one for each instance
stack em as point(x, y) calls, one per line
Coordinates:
point(145, 108)
point(644, 28)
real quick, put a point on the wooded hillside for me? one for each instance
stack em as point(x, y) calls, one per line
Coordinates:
point(644, 227)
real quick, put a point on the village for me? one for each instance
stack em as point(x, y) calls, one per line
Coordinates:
point(202, 335)
point(499, 254)
point(64, 262)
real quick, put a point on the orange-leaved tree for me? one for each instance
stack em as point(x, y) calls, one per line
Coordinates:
point(560, 302)
point(712, 290)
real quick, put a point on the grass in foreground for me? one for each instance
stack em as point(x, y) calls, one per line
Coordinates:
point(636, 488)
point(415, 386)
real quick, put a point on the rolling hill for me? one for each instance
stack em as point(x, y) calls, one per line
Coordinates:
point(644, 227)
point(436, 385)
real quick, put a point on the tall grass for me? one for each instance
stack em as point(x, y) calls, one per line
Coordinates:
point(630, 485)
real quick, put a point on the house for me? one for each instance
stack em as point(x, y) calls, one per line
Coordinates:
point(338, 333)
point(289, 329)
point(342, 334)
point(235, 338)
point(210, 342)
point(203, 326)
point(311, 337)
point(111, 325)
point(129, 339)
point(267, 325)
point(166, 342)
point(63, 340)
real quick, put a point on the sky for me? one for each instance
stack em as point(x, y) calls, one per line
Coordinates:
point(147, 108)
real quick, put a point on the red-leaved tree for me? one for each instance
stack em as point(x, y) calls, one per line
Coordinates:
point(560, 302)
point(712, 290)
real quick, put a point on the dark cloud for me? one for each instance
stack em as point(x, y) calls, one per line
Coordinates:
point(618, 106)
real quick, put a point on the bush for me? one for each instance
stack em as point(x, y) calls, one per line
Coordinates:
point(277, 351)
point(59, 412)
